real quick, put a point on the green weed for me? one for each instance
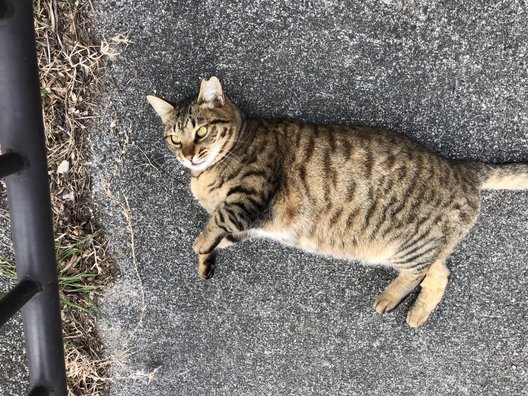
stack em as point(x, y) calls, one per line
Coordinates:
point(75, 289)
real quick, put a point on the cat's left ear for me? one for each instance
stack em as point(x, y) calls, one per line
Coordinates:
point(163, 108)
point(211, 94)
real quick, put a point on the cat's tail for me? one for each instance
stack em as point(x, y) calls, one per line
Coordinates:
point(504, 177)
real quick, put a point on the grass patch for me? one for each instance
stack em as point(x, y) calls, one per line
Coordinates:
point(69, 60)
point(77, 289)
point(85, 362)
point(69, 66)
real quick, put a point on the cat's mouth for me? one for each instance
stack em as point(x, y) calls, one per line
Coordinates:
point(200, 165)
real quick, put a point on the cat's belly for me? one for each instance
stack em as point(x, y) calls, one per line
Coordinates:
point(372, 252)
point(284, 236)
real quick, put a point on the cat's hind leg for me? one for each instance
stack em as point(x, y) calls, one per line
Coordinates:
point(432, 287)
point(418, 260)
point(400, 288)
point(432, 290)
point(412, 261)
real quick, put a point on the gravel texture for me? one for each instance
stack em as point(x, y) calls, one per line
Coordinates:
point(274, 320)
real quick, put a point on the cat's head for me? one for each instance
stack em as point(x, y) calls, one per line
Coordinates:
point(200, 132)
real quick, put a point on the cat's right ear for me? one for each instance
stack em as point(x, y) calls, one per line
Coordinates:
point(211, 94)
point(163, 108)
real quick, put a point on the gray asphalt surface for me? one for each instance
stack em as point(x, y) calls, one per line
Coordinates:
point(273, 320)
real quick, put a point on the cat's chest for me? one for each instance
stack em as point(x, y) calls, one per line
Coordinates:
point(209, 190)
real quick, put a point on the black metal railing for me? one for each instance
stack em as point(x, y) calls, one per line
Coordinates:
point(23, 163)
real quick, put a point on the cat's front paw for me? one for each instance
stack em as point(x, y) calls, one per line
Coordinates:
point(204, 244)
point(206, 265)
point(199, 243)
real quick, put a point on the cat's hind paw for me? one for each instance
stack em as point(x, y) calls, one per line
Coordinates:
point(385, 304)
point(417, 315)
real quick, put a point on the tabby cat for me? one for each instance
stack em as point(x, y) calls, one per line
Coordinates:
point(349, 192)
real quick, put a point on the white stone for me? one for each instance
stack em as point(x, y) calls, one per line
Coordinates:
point(63, 168)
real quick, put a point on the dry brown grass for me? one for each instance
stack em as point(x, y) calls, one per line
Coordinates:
point(70, 62)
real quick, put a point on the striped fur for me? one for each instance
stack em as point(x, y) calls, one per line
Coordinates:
point(343, 191)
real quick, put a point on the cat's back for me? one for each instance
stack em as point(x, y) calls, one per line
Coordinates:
point(335, 161)
point(336, 146)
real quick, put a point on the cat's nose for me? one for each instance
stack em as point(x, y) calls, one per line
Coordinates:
point(188, 152)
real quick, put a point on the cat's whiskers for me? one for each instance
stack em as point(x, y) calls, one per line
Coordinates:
point(167, 166)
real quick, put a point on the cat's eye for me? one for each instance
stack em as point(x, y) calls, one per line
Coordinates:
point(201, 132)
point(175, 139)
